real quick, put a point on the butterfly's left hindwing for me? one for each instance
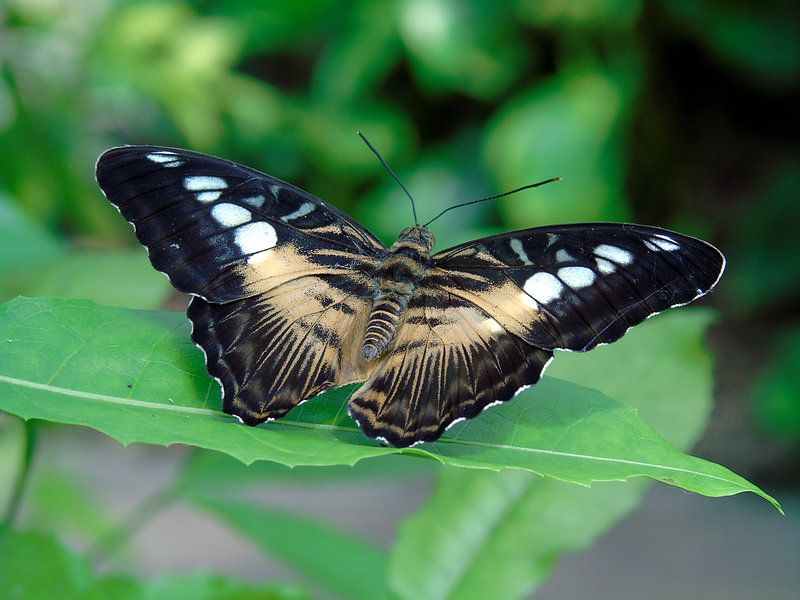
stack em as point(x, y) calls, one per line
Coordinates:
point(272, 351)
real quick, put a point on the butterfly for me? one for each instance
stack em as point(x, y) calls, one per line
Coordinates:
point(291, 297)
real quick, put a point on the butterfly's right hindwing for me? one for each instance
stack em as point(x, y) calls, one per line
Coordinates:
point(214, 226)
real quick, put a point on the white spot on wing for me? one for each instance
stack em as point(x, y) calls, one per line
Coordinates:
point(543, 287)
point(614, 254)
point(563, 256)
point(255, 238)
point(304, 209)
point(577, 277)
point(519, 250)
point(197, 183)
point(165, 159)
point(230, 215)
point(208, 196)
point(606, 267)
point(274, 189)
point(662, 242)
point(256, 201)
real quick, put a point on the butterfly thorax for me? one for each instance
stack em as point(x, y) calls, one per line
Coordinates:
point(396, 279)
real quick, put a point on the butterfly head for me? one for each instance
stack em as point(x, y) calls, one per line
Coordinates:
point(418, 236)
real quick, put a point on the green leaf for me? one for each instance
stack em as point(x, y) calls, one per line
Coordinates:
point(469, 46)
point(135, 376)
point(571, 126)
point(485, 533)
point(336, 560)
point(37, 567)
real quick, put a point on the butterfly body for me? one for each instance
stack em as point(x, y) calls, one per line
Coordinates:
point(397, 278)
point(292, 297)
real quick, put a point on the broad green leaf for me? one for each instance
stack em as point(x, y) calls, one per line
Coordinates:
point(662, 368)
point(510, 529)
point(37, 567)
point(336, 560)
point(135, 376)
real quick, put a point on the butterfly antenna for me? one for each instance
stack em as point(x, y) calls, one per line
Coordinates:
point(392, 173)
point(524, 187)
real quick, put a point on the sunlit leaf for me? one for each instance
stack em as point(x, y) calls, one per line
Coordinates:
point(135, 376)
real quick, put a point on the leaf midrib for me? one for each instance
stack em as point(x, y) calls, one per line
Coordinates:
point(177, 408)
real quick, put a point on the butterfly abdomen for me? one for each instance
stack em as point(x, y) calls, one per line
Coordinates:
point(397, 277)
point(382, 325)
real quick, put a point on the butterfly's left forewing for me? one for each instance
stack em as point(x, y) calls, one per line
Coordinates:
point(282, 280)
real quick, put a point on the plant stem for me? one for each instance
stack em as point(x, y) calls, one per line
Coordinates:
point(29, 432)
point(115, 539)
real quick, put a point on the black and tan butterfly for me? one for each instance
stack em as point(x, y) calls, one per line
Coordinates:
point(293, 297)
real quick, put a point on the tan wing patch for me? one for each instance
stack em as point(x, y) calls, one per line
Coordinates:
point(450, 360)
point(279, 265)
point(275, 350)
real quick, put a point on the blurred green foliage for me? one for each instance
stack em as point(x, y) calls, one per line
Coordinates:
point(679, 113)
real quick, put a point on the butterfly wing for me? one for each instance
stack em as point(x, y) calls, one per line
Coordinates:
point(573, 287)
point(486, 317)
point(218, 229)
point(450, 360)
point(282, 281)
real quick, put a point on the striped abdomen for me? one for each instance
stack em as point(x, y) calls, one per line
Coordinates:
point(382, 326)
